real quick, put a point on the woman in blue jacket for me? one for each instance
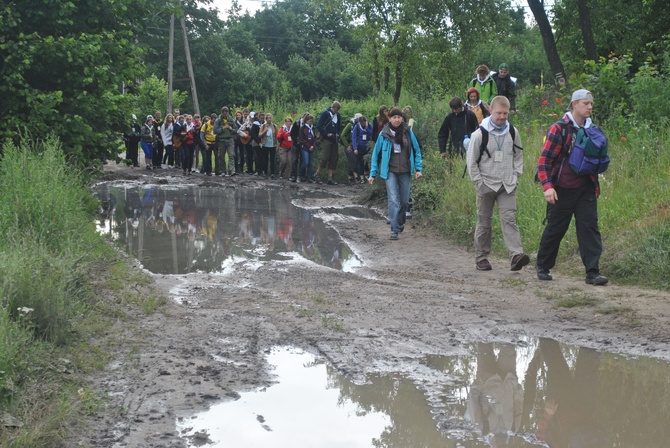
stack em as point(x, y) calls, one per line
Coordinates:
point(396, 157)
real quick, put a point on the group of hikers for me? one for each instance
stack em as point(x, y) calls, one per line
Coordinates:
point(252, 142)
point(477, 130)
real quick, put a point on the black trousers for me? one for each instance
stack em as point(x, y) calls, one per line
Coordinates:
point(583, 205)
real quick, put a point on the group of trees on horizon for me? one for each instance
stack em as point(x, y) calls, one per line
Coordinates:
point(79, 69)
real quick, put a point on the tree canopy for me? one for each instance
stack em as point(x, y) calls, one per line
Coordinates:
point(79, 69)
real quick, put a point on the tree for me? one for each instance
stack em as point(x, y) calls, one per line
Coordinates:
point(63, 68)
point(621, 27)
point(587, 32)
point(548, 40)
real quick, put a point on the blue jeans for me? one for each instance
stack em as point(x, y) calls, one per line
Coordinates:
point(397, 190)
point(306, 165)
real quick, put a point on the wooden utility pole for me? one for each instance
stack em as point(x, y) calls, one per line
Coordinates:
point(170, 63)
point(189, 64)
point(196, 106)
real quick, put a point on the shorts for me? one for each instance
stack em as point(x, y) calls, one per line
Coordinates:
point(329, 154)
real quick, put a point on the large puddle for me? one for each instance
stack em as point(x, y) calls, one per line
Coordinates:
point(186, 229)
point(534, 393)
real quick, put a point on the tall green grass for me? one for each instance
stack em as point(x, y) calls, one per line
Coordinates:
point(48, 250)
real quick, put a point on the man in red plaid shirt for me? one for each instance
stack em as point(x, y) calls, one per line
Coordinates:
point(568, 193)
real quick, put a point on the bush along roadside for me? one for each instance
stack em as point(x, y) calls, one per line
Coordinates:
point(56, 275)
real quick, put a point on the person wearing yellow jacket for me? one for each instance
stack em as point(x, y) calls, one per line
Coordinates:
point(208, 136)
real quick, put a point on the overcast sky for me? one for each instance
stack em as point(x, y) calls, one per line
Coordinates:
point(249, 5)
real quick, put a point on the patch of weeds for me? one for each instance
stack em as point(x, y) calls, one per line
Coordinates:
point(615, 310)
point(304, 313)
point(569, 298)
point(332, 323)
point(576, 299)
point(633, 321)
point(513, 282)
point(89, 357)
point(140, 279)
point(152, 303)
point(319, 300)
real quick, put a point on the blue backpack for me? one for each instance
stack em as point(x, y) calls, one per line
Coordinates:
point(589, 154)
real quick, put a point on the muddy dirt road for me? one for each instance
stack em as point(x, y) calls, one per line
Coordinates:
point(412, 297)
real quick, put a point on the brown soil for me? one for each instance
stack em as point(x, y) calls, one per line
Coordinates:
point(415, 296)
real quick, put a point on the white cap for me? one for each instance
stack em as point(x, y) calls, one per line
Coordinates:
point(581, 94)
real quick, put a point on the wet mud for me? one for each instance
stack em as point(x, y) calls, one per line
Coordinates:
point(408, 307)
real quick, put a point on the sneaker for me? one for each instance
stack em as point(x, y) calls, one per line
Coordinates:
point(543, 274)
point(331, 182)
point(408, 215)
point(484, 265)
point(293, 179)
point(401, 228)
point(272, 177)
point(519, 261)
point(393, 236)
point(595, 278)
point(149, 167)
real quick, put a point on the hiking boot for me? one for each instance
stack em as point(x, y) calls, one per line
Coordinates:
point(317, 178)
point(401, 228)
point(393, 236)
point(484, 265)
point(595, 278)
point(543, 274)
point(519, 261)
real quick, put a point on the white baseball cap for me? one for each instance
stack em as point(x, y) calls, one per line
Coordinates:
point(581, 94)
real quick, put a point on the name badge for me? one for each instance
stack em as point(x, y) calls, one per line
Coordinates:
point(396, 148)
point(498, 156)
point(365, 137)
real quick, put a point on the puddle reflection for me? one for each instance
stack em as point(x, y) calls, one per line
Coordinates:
point(304, 409)
point(559, 395)
point(536, 393)
point(181, 230)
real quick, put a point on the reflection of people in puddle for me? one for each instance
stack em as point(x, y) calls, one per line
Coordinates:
point(148, 208)
point(569, 419)
point(245, 233)
point(168, 216)
point(495, 400)
point(107, 209)
point(285, 233)
point(309, 247)
point(335, 261)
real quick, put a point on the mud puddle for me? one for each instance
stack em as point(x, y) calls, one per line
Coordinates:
point(177, 230)
point(498, 394)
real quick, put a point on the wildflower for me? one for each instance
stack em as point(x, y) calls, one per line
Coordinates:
point(544, 102)
point(24, 309)
point(559, 100)
point(623, 139)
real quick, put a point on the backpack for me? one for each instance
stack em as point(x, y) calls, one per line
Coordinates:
point(589, 153)
point(483, 148)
